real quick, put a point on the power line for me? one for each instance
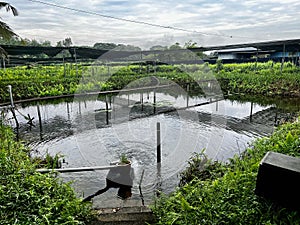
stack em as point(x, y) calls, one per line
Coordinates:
point(132, 21)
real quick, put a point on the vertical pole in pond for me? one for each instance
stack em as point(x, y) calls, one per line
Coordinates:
point(187, 95)
point(40, 120)
point(68, 111)
point(142, 101)
point(154, 101)
point(106, 109)
point(158, 152)
point(251, 111)
point(158, 155)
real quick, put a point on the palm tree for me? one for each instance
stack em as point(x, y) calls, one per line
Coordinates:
point(5, 31)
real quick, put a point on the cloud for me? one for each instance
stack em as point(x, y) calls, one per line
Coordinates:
point(243, 20)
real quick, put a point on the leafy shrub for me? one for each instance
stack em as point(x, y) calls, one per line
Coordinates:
point(28, 197)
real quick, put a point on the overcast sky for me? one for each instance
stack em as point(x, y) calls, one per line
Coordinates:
point(215, 21)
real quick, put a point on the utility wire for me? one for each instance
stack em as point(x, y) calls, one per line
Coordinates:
point(132, 21)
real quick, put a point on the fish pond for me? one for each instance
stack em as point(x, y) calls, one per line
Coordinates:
point(97, 130)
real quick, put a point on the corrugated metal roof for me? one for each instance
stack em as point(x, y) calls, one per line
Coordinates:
point(84, 52)
point(292, 45)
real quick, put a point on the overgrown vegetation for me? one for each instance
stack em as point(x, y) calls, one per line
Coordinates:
point(253, 78)
point(28, 197)
point(224, 193)
point(267, 79)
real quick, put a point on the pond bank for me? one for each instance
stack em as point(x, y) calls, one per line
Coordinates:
point(223, 193)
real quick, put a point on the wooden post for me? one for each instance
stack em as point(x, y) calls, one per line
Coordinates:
point(158, 143)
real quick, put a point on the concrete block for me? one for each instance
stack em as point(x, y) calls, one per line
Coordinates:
point(278, 179)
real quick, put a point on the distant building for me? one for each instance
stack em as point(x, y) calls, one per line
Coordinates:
point(264, 51)
point(238, 53)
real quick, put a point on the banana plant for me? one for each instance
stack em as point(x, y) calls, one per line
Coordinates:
point(5, 31)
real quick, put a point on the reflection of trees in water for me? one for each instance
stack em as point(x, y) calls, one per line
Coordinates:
point(261, 122)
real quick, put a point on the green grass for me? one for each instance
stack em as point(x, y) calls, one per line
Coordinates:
point(28, 197)
point(224, 193)
point(39, 81)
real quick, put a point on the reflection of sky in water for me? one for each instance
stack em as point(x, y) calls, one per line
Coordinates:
point(232, 108)
point(183, 132)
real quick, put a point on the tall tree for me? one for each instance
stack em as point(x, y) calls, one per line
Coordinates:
point(67, 42)
point(175, 46)
point(190, 44)
point(105, 46)
point(5, 31)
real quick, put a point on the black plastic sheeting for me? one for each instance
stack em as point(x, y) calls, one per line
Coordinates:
point(84, 53)
point(12, 50)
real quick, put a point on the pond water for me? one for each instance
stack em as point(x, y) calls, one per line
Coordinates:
point(87, 134)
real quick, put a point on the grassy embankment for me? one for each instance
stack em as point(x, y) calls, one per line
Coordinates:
point(223, 193)
point(262, 78)
point(28, 197)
